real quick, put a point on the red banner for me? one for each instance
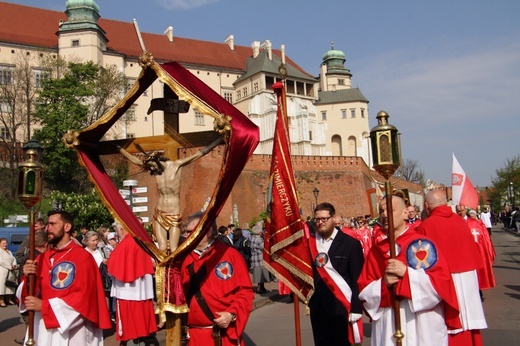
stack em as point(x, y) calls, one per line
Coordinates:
point(286, 250)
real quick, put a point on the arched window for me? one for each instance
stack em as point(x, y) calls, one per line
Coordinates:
point(352, 146)
point(337, 147)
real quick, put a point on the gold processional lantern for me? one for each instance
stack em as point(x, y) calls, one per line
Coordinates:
point(30, 176)
point(385, 146)
point(30, 186)
point(386, 154)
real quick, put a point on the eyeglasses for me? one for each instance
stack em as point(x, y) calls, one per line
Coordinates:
point(322, 219)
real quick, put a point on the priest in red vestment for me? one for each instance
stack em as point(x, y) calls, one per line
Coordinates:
point(424, 287)
point(454, 240)
point(132, 269)
point(69, 304)
point(486, 277)
point(218, 291)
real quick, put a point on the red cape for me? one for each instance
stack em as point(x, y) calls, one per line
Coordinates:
point(451, 234)
point(375, 267)
point(85, 293)
point(128, 261)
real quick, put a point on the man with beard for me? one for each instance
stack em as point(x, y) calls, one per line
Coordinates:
point(338, 259)
point(70, 307)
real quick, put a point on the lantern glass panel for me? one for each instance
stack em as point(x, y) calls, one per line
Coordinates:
point(30, 183)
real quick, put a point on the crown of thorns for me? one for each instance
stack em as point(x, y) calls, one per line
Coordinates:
point(152, 163)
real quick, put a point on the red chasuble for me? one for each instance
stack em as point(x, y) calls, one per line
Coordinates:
point(414, 255)
point(226, 286)
point(451, 234)
point(486, 277)
point(72, 275)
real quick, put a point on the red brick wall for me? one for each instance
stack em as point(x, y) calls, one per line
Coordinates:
point(342, 181)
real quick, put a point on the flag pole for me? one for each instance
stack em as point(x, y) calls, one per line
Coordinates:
point(296, 302)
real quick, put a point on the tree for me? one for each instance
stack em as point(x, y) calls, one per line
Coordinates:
point(17, 98)
point(506, 185)
point(410, 171)
point(73, 102)
point(86, 209)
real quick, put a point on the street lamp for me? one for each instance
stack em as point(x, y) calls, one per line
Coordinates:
point(386, 157)
point(29, 192)
point(316, 193)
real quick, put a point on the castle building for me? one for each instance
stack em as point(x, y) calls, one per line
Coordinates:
point(327, 116)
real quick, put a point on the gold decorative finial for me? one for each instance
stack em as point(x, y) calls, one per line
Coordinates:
point(145, 59)
point(70, 138)
point(282, 69)
point(222, 124)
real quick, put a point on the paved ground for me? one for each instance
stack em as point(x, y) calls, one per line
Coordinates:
point(12, 327)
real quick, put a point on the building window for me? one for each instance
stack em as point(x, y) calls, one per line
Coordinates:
point(239, 94)
point(362, 112)
point(145, 93)
point(352, 113)
point(145, 118)
point(4, 133)
point(199, 118)
point(6, 75)
point(255, 87)
point(129, 83)
point(244, 91)
point(229, 97)
point(130, 135)
point(323, 115)
point(343, 114)
point(341, 82)
point(39, 77)
point(75, 43)
point(5, 107)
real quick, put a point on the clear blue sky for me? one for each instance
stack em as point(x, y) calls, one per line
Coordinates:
point(447, 72)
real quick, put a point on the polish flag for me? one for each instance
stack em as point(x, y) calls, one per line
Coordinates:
point(463, 192)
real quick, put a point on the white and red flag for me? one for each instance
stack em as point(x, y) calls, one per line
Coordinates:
point(463, 192)
point(286, 250)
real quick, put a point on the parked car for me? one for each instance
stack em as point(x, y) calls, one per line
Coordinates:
point(14, 236)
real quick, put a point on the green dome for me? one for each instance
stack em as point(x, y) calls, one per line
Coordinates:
point(335, 62)
point(334, 54)
point(82, 3)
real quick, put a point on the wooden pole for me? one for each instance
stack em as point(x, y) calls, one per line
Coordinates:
point(398, 335)
point(32, 280)
point(297, 327)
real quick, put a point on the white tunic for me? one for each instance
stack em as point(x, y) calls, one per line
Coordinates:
point(422, 317)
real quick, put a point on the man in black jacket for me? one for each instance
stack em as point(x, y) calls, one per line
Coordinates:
point(338, 260)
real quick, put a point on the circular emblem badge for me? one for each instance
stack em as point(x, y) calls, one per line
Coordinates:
point(421, 254)
point(62, 275)
point(321, 260)
point(224, 270)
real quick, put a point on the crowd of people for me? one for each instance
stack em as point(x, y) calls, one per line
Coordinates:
point(96, 280)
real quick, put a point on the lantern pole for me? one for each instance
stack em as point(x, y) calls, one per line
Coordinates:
point(386, 156)
point(30, 186)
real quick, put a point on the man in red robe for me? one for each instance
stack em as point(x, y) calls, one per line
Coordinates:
point(132, 269)
point(454, 240)
point(218, 291)
point(428, 302)
point(486, 278)
point(69, 305)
